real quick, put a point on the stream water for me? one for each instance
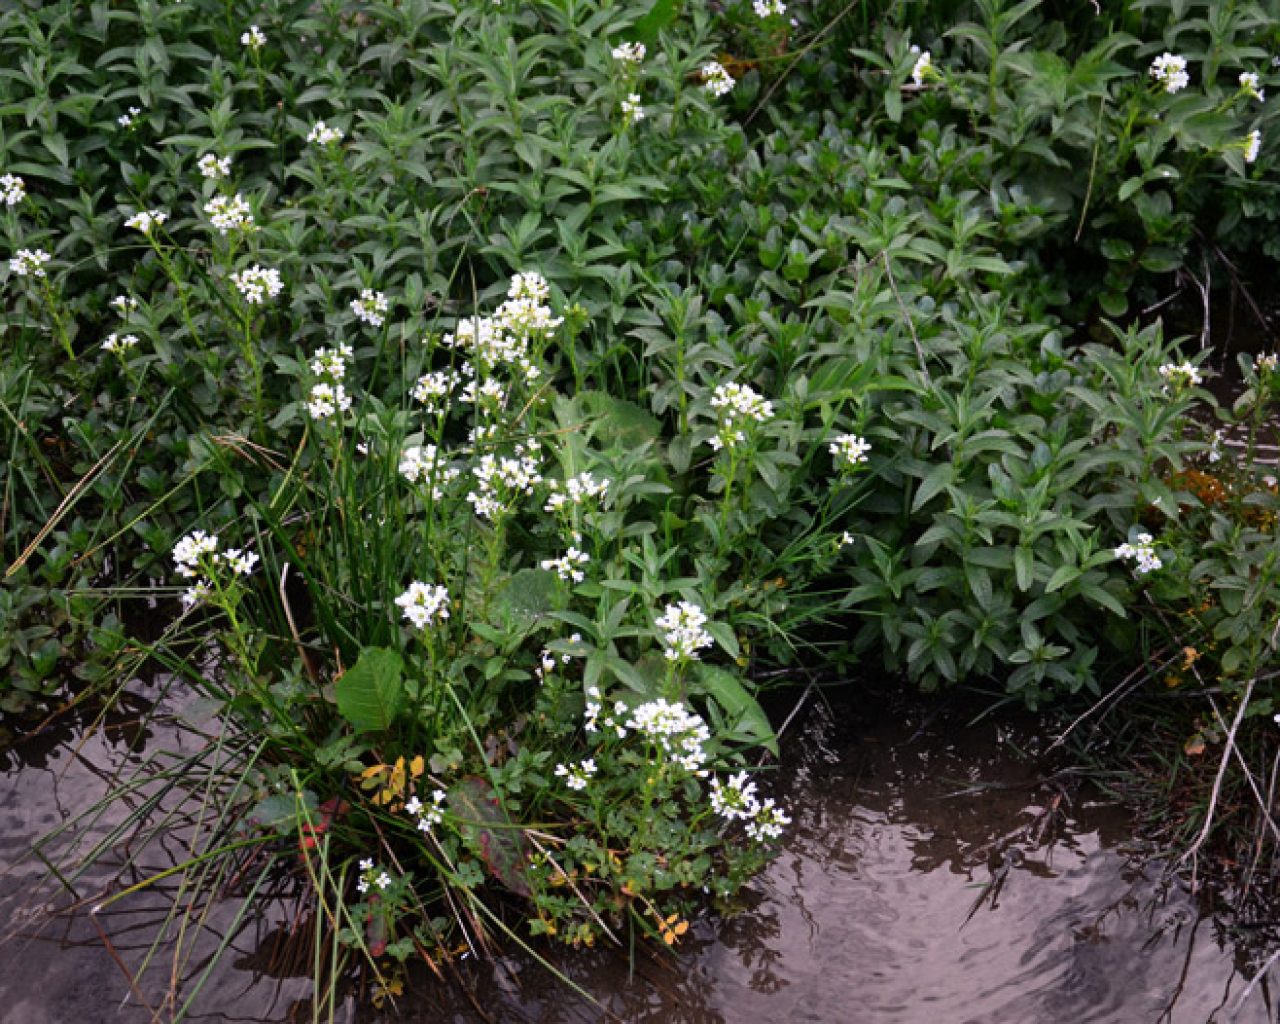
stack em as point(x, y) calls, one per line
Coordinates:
point(936, 872)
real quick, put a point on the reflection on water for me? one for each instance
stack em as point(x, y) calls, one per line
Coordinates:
point(930, 876)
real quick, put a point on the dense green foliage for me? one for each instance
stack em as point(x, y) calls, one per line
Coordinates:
point(805, 357)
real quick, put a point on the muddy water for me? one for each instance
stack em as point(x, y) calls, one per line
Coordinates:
point(935, 873)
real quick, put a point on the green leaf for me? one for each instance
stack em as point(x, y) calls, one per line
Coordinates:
point(279, 813)
point(660, 15)
point(371, 691)
point(739, 707)
point(529, 594)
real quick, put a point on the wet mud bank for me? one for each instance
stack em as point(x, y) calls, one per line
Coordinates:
point(936, 870)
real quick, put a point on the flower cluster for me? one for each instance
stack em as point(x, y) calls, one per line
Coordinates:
point(427, 816)
point(426, 465)
point(424, 604)
point(196, 557)
point(576, 776)
point(715, 79)
point(29, 262)
point(12, 189)
point(257, 284)
point(505, 337)
point(737, 800)
point(681, 734)
point(737, 407)
point(922, 67)
point(1266, 362)
point(1170, 70)
point(118, 343)
point(632, 111)
point(126, 120)
point(124, 305)
point(230, 213)
point(332, 362)
point(433, 389)
point(253, 38)
point(574, 491)
point(327, 400)
point(1252, 145)
point(146, 220)
point(1250, 86)
point(768, 8)
point(569, 565)
point(1180, 375)
point(682, 631)
point(371, 307)
point(323, 135)
point(850, 450)
point(214, 167)
point(1142, 552)
point(502, 478)
point(371, 875)
point(629, 53)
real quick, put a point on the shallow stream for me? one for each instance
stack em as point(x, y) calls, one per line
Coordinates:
point(935, 873)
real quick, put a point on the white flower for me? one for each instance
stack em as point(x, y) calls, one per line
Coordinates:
point(124, 305)
point(1180, 375)
point(230, 213)
point(574, 491)
point(1142, 552)
point(1266, 362)
point(1170, 70)
point(324, 135)
point(214, 167)
point(569, 565)
point(332, 362)
point(529, 285)
point(768, 822)
point(735, 799)
point(850, 450)
point(577, 776)
point(682, 630)
point(424, 604)
point(327, 400)
point(1252, 144)
point(846, 540)
point(126, 120)
point(253, 38)
point(768, 8)
point(1250, 87)
point(119, 342)
point(366, 864)
point(428, 815)
point(371, 307)
point(12, 189)
point(501, 479)
point(425, 464)
point(257, 284)
point(715, 79)
point(632, 111)
point(145, 220)
point(434, 388)
point(630, 53)
point(923, 66)
point(678, 732)
point(189, 551)
point(241, 562)
point(195, 595)
point(29, 262)
point(738, 407)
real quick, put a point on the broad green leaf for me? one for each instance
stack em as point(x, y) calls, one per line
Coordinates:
point(370, 692)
